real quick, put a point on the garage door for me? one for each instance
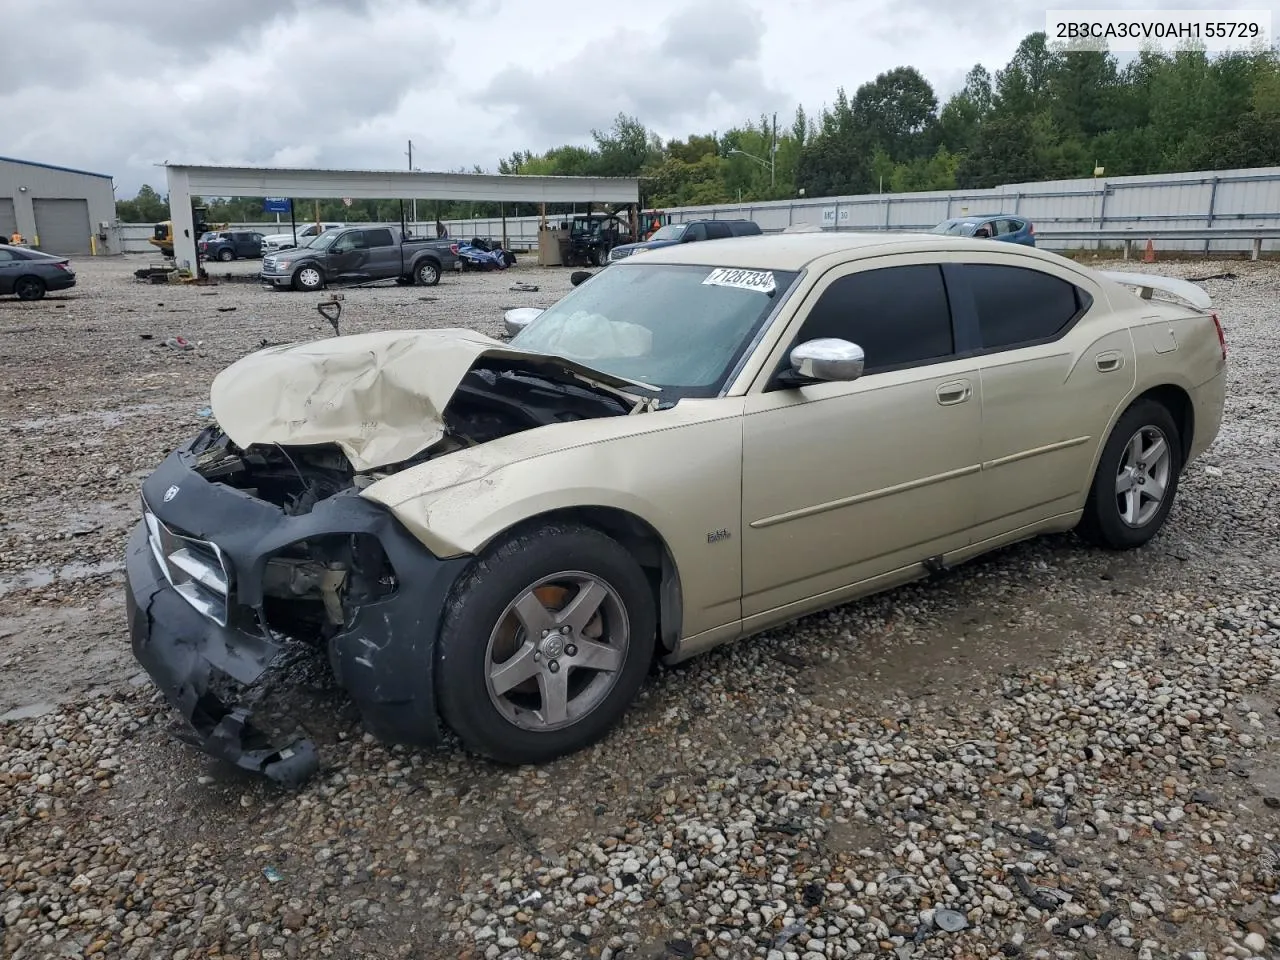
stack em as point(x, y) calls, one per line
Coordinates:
point(8, 222)
point(62, 226)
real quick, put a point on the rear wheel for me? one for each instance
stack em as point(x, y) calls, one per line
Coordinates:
point(428, 273)
point(308, 279)
point(226, 254)
point(545, 644)
point(29, 288)
point(1136, 481)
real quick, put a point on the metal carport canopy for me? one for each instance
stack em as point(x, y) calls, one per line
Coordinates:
point(187, 180)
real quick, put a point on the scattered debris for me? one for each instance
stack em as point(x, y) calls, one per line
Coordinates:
point(952, 921)
point(1272, 802)
point(787, 932)
point(789, 659)
point(224, 309)
point(1045, 898)
point(147, 336)
point(179, 343)
point(525, 287)
point(580, 276)
point(272, 874)
point(1214, 276)
point(205, 412)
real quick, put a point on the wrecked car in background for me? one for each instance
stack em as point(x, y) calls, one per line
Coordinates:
point(696, 445)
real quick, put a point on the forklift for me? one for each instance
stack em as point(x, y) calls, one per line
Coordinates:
point(162, 236)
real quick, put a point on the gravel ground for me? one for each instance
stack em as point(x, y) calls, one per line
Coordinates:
point(1051, 752)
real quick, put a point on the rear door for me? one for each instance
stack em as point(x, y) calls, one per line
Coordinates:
point(9, 266)
point(1051, 380)
point(717, 230)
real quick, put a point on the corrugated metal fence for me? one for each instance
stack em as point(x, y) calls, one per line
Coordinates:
point(1223, 199)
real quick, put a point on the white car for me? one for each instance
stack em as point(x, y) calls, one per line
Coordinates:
point(275, 242)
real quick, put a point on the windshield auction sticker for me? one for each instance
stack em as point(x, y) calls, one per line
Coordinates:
point(760, 281)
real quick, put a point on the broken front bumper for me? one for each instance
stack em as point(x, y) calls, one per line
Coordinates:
point(383, 654)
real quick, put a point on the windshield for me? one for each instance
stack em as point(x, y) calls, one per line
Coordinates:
point(954, 228)
point(675, 326)
point(319, 243)
point(672, 231)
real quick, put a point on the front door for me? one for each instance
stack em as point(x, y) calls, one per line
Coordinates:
point(347, 255)
point(846, 482)
point(383, 253)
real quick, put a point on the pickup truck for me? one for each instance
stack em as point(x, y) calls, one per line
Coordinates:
point(274, 242)
point(687, 232)
point(358, 255)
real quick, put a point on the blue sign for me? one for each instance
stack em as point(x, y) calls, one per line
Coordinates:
point(276, 204)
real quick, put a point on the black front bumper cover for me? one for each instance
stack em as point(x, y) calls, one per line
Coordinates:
point(383, 655)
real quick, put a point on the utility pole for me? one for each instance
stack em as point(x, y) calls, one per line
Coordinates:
point(773, 155)
point(415, 199)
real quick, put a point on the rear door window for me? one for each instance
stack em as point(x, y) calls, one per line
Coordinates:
point(718, 231)
point(378, 238)
point(1018, 306)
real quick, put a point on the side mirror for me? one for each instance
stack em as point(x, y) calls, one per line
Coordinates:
point(826, 359)
point(517, 318)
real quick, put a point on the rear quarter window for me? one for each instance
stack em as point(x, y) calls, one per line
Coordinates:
point(1020, 305)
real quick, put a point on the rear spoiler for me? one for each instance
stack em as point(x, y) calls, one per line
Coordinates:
point(1146, 283)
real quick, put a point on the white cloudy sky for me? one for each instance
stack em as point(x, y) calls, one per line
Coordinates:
point(117, 86)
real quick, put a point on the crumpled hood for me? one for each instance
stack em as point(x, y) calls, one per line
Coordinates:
point(379, 396)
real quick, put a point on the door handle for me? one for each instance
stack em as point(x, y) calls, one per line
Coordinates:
point(955, 391)
point(1110, 361)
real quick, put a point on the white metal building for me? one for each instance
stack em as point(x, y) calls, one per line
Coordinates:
point(57, 209)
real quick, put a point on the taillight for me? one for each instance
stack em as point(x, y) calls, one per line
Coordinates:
point(1222, 340)
point(453, 248)
point(1031, 228)
point(63, 266)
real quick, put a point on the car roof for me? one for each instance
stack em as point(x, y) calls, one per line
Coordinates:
point(794, 251)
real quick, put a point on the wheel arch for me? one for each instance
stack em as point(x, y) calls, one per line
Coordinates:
point(642, 540)
point(1178, 402)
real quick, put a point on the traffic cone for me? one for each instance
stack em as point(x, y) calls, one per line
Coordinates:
point(1150, 255)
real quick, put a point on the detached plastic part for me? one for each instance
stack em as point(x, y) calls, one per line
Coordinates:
point(289, 766)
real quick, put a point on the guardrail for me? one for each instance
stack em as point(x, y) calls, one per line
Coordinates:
point(1130, 236)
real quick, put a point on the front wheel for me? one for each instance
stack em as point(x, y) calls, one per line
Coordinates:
point(428, 273)
point(545, 643)
point(1136, 480)
point(308, 279)
point(599, 257)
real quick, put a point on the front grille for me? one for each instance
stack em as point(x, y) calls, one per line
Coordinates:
point(195, 568)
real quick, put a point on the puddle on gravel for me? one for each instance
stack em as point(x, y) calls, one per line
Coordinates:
point(104, 418)
point(27, 711)
point(45, 576)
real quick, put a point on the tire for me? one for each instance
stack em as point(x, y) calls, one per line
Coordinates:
point(599, 256)
point(509, 722)
point(1124, 520)
point(308, 279)
point(226, 255)
point(29, 288)
point(427, 273)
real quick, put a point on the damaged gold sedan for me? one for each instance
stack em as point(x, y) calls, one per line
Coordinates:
point(692, 446)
